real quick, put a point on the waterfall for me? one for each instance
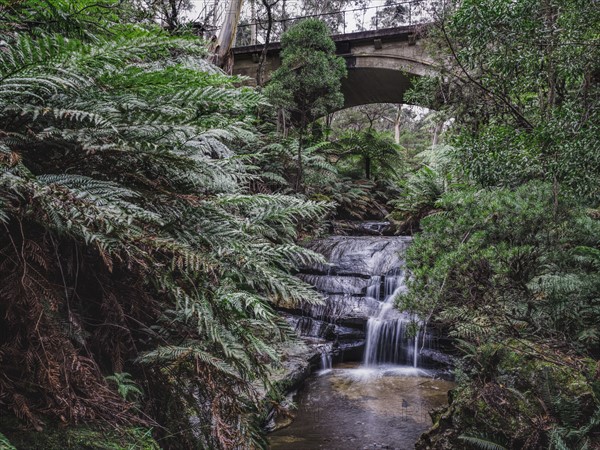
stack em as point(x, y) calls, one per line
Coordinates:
point(326, 362)
point(388, 339)
point(374, 289)
point(360, 281)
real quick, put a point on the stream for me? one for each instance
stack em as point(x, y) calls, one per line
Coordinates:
point(351, 407)
point(378, 377)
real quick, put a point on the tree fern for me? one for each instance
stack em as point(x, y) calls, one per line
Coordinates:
point(133, 235)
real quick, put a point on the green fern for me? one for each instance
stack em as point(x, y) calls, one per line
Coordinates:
point(123, 190)
point(126, 387)
point(482, 443)
point(5, 443)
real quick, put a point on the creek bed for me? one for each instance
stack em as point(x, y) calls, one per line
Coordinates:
point(352, 407)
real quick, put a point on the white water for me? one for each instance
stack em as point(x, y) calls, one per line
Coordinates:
point(326, 362)
point(361, 281)
point(388, 339)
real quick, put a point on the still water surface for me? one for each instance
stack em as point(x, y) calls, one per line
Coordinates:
point(353, 407)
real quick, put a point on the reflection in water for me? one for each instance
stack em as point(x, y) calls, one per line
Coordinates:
point(354, 407)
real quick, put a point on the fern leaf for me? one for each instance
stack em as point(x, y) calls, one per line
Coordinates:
point(481, 443)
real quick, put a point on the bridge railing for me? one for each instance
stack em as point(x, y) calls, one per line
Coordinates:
point(411, 12)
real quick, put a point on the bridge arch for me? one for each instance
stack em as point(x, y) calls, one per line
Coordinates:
point(382, 64)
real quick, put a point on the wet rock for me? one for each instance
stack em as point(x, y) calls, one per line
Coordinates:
point(310, 327)
point(283, 416)
point(373, 228)
point(342, 285)
point(359, 255)
point(345, 309)
point(435, 357)
point(354, 282)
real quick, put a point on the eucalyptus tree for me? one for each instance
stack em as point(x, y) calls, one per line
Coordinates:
point(226, 34)
point(391, 14)
point(130, 240)
point(524, 89)
point(308, 83)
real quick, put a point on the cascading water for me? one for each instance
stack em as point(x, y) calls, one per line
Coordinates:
point(363, 277)
point(326, 361)
point(388, 339)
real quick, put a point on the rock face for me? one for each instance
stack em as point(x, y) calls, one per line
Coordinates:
point(354, 281)
point(360, 256)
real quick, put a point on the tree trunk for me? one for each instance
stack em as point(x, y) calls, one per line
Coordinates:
point(328, 123)
point(263, 55)
point(282, 123)
point(367, 167)
point(437, 130)
point(171, 15)
point(253, 22)
point(174, 15)
point(226, 37)
point(215, 15)
point(283, 16)
point(397, 124)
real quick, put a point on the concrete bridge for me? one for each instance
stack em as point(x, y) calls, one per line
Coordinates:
point(381, 63)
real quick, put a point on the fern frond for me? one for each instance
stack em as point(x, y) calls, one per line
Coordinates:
point(481, 443)
point(5, 443)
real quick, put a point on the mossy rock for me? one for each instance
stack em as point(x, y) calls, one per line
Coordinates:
point(81, 437)
point(549, 378)
point(518, 393)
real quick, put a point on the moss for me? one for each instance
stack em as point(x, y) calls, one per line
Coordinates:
point(81, 437)
point(517, 393)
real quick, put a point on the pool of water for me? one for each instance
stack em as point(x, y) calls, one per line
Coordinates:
point(352, 407)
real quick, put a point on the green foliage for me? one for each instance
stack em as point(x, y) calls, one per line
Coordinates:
point(574, 438)
point(82, 19)
point(500, 156)
point(523, 88)
point(273, 168)
point(126, 387)
point(308, 83)
point(522, 394)
point(134, 245)
point(504, 269)
point(56, 437)
point(274, 162)
point(482, 443)
point(417, 200)
point(374, 151)
point(502, 261)
point(422, 188)
point(507, 259)
point(5, 443)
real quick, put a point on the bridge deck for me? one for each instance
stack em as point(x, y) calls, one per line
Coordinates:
point(396, 34)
